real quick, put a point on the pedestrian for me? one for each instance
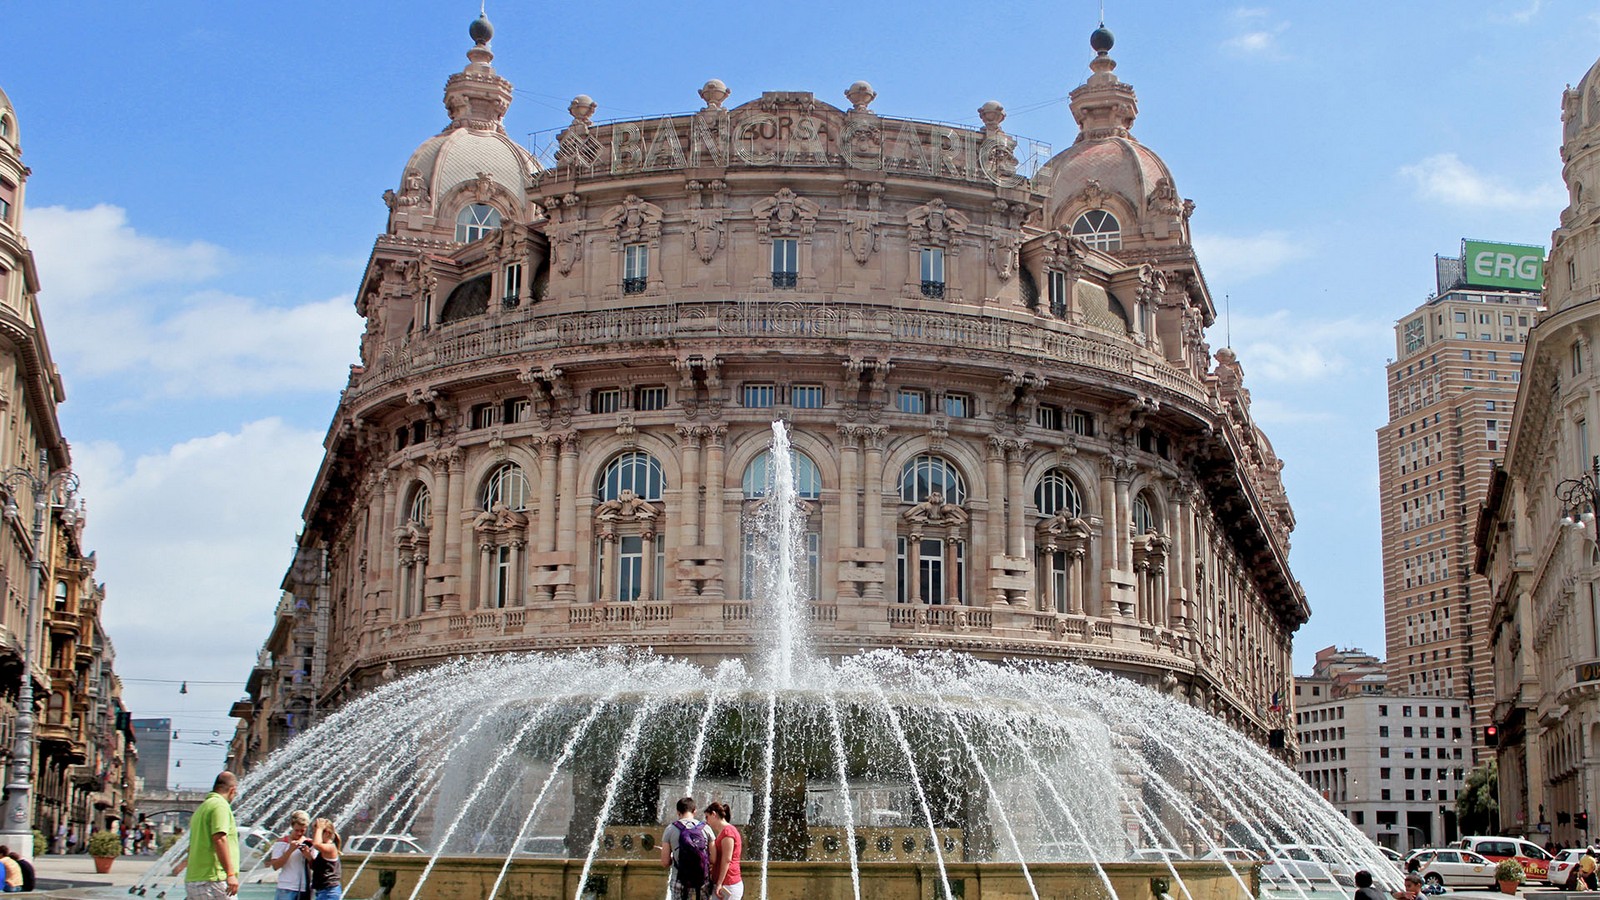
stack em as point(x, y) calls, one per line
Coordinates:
point(213, 869)
point(685, 853)
point(58, 840)
point(326, 843)
point(726, 881)
point(13, 871)
point(1412, 890)
point(290, 855)
point(26, 866)
point(1364, 888)
point(72, 837)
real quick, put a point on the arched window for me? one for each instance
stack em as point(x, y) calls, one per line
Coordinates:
point(1056, 494)
point(926, 474)
point(1144, 517)
point(758, 475)
point(506, 485)
point(469, 298)
point(476, 221)
point(421, 509)
point(5, 128)
point(635, 471)
point(1099, 229)
point(61, 596)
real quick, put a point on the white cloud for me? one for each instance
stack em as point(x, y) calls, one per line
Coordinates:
point(1444, 178)
point(121, 303)
point(1266, 411)
point(1518, 16)
point(197, 537)
point(1258, 35)
point(1280, 347)
point(1228, 259)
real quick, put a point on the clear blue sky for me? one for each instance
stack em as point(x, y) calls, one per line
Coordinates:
point(207, 178)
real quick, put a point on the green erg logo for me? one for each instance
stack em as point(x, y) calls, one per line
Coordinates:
point(1503, 265)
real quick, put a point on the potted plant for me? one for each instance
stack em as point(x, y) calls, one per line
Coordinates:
point(105, 847)
point(1510, 874)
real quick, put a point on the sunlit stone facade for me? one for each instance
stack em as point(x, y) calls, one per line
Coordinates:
point(1009, 429)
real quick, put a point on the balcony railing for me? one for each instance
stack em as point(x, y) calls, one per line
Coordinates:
point(933, 289)
point(785, 280)
point(634, 285)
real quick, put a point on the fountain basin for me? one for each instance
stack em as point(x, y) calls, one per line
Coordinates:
point(611, 879)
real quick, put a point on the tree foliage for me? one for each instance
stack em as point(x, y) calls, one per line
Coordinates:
point(1477, 807)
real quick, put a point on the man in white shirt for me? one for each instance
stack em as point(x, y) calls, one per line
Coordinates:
point(289, 855)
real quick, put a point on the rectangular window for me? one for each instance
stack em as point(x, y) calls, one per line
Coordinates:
point(958, 406)
point(635, 268)
point(1081, 422)
point(419, 432)
point(806, 396)
point(1460, 316)
point(649, 399)
point(1058, 293)
point(1580, 434)
point(1384, 773)
point(1577, 358)
point(933, 272)
point(502, 577)
point(513, 284)
point(516, 410)
point(8, 198)
point(785, 263)
point(485, 415)
point(630, 567)
point(911, 401)
point(760, 396)
point(608, 400)
point(1048, 417)
point(1383, 731)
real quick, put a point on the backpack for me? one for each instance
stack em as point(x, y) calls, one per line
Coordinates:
point(692, 863)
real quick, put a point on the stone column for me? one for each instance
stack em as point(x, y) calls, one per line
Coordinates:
point(715, 480)
point(482, 595)
point(1015, 502)
point(647, 567)
point(516, 573)
point(454, 533)
point(913, 568)
point(995, 487)
point(441, 526)
point(372, 576)
point(1110, 551)
point(849, 478)
point(546, 534)
point(872, 506)
point(387, 576)
point(608, 565)
point(1077, 579)
point(689, 495)
point(567, 516)
point(952, 578)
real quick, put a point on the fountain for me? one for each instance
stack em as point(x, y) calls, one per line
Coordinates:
point(882, 775)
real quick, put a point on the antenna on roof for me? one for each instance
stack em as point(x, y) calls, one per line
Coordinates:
point(1102, 13)
point(1227, 319)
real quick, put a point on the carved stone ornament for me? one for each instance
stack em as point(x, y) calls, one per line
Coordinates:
point(861, 234)
point(627, 507)
point(499, 521)
point(934, 511)
point(706, 234)
point(935, 223)
point(785, 214)
point(413, 190)
point(1065, 532)
point(634, 219)
point(1004, 247)
point(577, 148)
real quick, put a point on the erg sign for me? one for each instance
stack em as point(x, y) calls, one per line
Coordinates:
point(1515, 266)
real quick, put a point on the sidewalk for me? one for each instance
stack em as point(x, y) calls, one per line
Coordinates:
point(78, 869)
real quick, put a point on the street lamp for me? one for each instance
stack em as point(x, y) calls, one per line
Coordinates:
point(1580, 498)
point(16, 823)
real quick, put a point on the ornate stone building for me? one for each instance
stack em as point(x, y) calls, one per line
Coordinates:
point(1010, 432)
point(1543, 568)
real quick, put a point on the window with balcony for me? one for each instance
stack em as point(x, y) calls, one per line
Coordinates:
point(933, 272)
point(61, 596)
point(1057, 282)
point(511, 295)
point(635, 268)
point(785, 263)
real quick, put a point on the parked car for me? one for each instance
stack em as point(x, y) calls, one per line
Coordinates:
point(383, 843)
point(1563, 871)
point(1391, 855)
point(1305, 862)
point(1457, 868)
point(1157, 854)
point(1535, 861)
point(1235, 855)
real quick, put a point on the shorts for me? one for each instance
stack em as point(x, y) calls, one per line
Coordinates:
point(735, 891)
point(206, 890)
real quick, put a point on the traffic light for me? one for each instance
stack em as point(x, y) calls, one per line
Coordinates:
point(1582, 821)
point(1491, 735)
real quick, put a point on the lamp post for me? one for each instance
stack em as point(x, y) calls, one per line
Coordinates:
point(17, 823)
point(1580, 498)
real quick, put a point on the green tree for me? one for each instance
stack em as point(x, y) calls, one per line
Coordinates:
point(1477, 805)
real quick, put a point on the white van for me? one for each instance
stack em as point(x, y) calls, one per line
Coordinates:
point(1535, 861)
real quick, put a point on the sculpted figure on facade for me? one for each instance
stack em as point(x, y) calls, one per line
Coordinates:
point(501, 519)
point(934, 511)
point(577, 147)
point(634, 219)
point(936, 223)
point(628, 506)
point(785, 214)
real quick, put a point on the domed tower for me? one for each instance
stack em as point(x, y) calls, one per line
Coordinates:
point(1118, 198)
point(1007, 429)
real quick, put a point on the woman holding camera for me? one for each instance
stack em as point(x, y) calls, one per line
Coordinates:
point(325, 864)
point(289, 856)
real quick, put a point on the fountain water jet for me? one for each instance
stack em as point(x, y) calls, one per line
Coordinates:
point(882, 773)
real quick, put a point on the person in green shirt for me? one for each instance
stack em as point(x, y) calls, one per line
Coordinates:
point(213, 870)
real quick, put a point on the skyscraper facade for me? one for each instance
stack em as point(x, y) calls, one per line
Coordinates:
point(1452, 389)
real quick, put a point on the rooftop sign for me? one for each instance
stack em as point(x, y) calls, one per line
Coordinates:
point(1516, 266)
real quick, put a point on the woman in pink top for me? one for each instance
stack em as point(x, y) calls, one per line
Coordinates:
point(729, 846)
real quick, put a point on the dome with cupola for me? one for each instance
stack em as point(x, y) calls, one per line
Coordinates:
point(1107, 187)
point(471, 174)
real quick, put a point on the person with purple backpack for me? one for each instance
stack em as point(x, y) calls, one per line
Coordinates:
point(686, 854)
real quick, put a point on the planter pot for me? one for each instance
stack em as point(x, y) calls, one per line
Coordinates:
point(1508, 887)
point(102, 864)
